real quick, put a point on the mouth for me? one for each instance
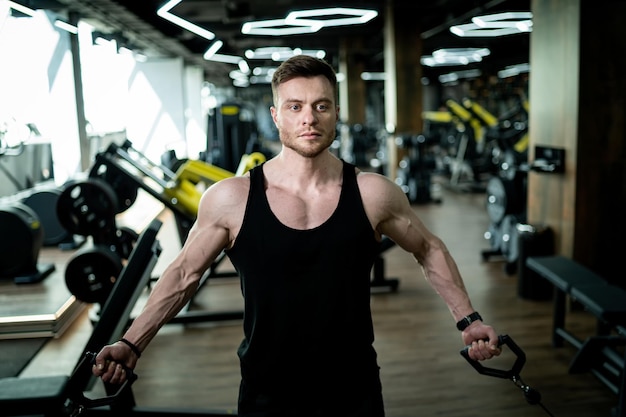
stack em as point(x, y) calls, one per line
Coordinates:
point(310, 135)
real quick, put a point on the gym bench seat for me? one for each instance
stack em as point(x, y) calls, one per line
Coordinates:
point(566, 275)
point(598, 354)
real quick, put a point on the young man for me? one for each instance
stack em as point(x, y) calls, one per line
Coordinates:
point(303, 231)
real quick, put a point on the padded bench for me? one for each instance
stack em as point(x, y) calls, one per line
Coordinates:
point(567, 276)
point(598, 353)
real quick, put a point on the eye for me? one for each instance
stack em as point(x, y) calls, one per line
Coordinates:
point(294, 107)
point(322, 107)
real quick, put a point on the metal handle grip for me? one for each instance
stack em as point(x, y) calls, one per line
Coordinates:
point(500, 373)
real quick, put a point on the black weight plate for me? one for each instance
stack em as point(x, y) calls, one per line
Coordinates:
point(124, 188)
point(44, 203)
point(502, 198)
point(20, 240)
point(87, 207)
point(125, 239)
point(91, 273)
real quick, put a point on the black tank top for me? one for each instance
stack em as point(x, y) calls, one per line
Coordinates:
point(307, 321)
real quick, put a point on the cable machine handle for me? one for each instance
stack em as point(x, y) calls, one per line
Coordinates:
point(512, 373)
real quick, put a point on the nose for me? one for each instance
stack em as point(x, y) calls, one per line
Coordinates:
point(309, 117)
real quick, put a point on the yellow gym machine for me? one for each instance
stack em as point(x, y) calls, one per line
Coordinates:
point(126, 170)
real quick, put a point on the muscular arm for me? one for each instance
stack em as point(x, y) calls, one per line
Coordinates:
point(219, 216)
point(392, 215)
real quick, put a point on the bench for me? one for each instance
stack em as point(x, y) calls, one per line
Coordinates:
point(47, 395)
point(599, 353)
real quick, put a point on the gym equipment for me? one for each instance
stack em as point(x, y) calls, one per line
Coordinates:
point(506, 209)
point(600, 352)
point(415, 169)
point(232, 132)
point(532, 396)
point(88, 208)
point(510, 132)
point(378, 270)
point(179, 191)
point(91, 273)
point(43, 201)
point(51, 395)
point(22, 237)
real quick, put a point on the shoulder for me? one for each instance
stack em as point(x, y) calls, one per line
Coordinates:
point(382, 198)
point(377, 187)
point(229, 191)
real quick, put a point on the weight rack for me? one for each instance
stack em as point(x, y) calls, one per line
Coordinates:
point(125, 165)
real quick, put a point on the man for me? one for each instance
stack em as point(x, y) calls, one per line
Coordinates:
point(302, 230)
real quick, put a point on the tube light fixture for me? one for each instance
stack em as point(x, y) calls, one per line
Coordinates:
point(215, 46)
point(300, 21)
point(499, 24)
point(281, 53)
point(164, 12)
point(357, 16)
point(454, 56)
point(279, 27)
point(66, 27)
point(22, 9)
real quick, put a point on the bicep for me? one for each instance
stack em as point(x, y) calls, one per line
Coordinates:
point(396, 219)
point(211, 232)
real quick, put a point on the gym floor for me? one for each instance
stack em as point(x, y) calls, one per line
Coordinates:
point(195, 365)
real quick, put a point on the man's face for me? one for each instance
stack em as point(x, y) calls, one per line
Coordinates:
point(305, 114)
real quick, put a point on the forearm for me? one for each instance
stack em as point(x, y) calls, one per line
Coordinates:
point(442, 273)
point(167, 298)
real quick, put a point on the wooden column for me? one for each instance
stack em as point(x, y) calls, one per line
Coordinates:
point(403, 87)
point(352, 65)
point(577, 101)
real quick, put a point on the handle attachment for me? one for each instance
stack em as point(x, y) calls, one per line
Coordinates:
point(513, 373)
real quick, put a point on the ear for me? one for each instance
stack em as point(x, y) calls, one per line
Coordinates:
point(273, 113)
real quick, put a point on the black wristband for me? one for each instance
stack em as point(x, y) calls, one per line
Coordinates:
point(132, 347)
point(467, 320)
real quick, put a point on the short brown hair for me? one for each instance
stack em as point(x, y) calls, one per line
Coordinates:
point(303, 66)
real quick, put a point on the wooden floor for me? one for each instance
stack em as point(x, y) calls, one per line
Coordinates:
point(195, 366)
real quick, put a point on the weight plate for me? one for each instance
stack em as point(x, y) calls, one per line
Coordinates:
point(90, 274)
point(508, 234)
point(124, 188)
point(87, 208)
point(125, 239)
point(504, 197)
point(496, 199)
point(21, 238)
point(44, 203)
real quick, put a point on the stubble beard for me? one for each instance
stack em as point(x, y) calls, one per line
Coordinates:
point(310, 149)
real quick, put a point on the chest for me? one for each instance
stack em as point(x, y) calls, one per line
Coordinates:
point(303, 209)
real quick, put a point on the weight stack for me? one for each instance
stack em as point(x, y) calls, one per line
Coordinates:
point(533, 241)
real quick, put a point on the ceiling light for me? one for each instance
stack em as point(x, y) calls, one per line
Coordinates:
point(22, 9)
point(499, 24)
point(282, 53)
point(373, 76)
point(164, 12)
point(455, 76)
point(279, 27)
point(66, 27)
point(357, 16)
point(513, 70)
point(228, 59)
point(215, 46)
point(454, 56)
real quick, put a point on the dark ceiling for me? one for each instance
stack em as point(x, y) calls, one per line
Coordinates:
point(140, 22)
